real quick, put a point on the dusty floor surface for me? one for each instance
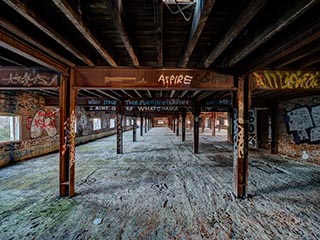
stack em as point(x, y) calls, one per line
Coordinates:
point(158, 189)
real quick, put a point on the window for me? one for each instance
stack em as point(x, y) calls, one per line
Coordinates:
point(9, 128)
point(128, 122)
point(96, 123)
point(112, 123)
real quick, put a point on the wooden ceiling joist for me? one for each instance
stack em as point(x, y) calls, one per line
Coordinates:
point(136, 91)
point(287, 18)
point(26, 51)
point(183, 93)
point(204, 95)
point(299, 54)
point(9, 27)
point(115, 13)
point(65, 8)
point(126, 93)
point(305, 37)
point(107, 94)
point(11, 61)
point(158, 26)
point(201, 13)
point(28, 14)
point(246, 16)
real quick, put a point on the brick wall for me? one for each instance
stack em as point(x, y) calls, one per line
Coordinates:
point(300, 113)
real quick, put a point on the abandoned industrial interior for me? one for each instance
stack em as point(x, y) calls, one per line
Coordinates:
point(159, 119)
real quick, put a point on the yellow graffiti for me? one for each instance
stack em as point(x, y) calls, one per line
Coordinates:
point(287, 79)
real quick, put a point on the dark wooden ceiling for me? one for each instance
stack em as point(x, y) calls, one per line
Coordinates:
point(233, 37)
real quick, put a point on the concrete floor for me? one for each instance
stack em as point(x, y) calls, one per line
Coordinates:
point(158, 189)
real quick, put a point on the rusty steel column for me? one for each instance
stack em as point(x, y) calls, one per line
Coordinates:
point(141, 125)
point(145, 124)
point(203, 120)
point(213, 124)
point(177, 124)
point(119, 126)
point(134, 129)
point(272, 121)
point(183, 115)
point(196, 113)
point(241, 138)
point(67, 104)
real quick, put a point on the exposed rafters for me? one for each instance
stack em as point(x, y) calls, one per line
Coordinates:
point(9, 27)
point(126, 93)
point(201, 13)
point(301, 53)
point(183, 93)
point(246, 16)
point(115, 12)
point(276, 27)
point(308, 35)
point(11, 61)
point(28, 14)
point(136, 91)
point(158, 25)
point(26, 51)
point(74, 19)
point(204, 95)
point(107, 94)
point(195, 93)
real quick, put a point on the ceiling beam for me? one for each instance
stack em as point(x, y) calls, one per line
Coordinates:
point(195, 93)
point(66, 9)
point(28, 14)
point(108, 95)
point(201, 14)
point(11, 61)
point(246, 16)
point(295, 56)
point(129, 95)
point(204, 95)
point(14, 45)
point(90, 92)
point(292, 44)
point(136, 91)
point(313, 59)
point(287, 18)
point(13, 29)
point(115, 93)
point(158, 26)
point(183, 93)
point(115, 12)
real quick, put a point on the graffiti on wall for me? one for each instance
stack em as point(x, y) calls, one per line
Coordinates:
point(303, 123)
point(252, 129)
point(286, 79)
point(43, 121)
point(28, 78)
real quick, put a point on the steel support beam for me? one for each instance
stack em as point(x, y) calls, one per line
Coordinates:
point(67, 103)
point(241, 139)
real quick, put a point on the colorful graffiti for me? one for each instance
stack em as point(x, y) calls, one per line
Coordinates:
point(286, 79)
point(303, 123)
point(43, 121)
point(252, 129)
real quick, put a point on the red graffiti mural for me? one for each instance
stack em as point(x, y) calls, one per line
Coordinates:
point(42, 121)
